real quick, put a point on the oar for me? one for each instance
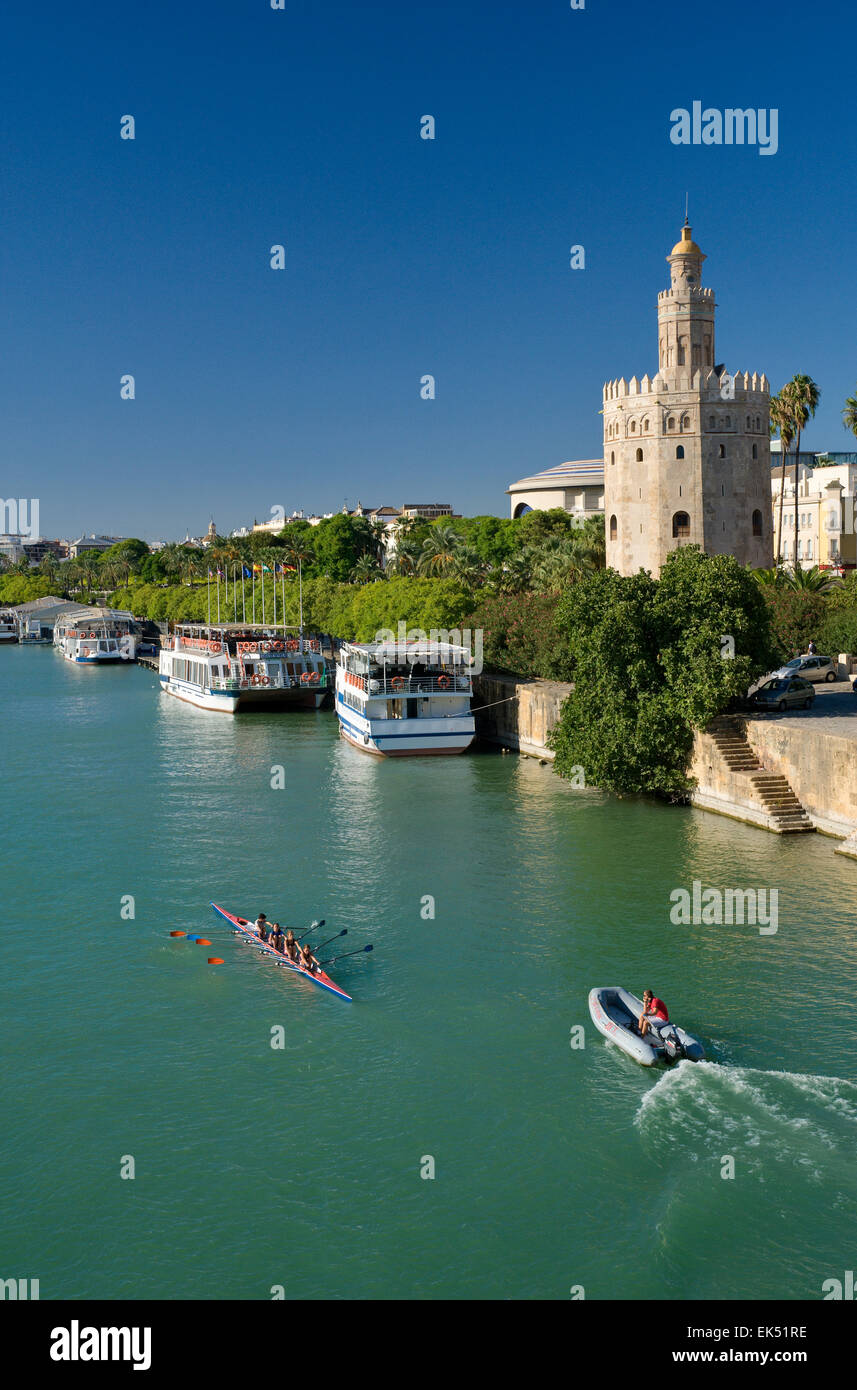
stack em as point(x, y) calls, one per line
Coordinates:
point(344, 932)
point(314, 926)
point(334, 959)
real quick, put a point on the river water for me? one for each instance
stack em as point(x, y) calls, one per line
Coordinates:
point(555, 1166)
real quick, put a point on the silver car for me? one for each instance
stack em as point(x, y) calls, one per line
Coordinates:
point(809, 668)
point(782, 693)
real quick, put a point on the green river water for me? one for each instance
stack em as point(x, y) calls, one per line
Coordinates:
point(254, 1167)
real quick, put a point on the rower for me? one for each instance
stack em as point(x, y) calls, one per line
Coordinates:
point(262, 927)
point(277, 938)
point(291, 946)
point(308, 960)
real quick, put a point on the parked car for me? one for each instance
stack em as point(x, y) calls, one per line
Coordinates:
point(812, 668)
point(781, 693)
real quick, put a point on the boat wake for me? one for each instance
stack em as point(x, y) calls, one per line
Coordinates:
point(767, 1120)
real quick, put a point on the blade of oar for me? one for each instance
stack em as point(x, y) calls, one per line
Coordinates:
point(344, 932)
point(314, 927)
point(333, 959)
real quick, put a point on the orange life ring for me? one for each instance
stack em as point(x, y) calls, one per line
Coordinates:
point(314, 677)
point(443, 681)
point(216, 648)
point(251, 647)
point(266, 646)
point(291, 646)
point(278, 646)
point(304, 677)
point(266, 680)
point(256, 679)
point(398, 683)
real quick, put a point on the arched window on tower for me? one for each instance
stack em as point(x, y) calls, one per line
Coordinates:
point(646, 425)
point(757, 522)
point(685, 422)
point(755, 451)
point(633, 427)
point(712, 423)
point(679, 453)
point(614, 528)
point(671, 423)
point(723, 451)
point(639, 456)
point(749, 423)
point(681, 526)
point(612, 456)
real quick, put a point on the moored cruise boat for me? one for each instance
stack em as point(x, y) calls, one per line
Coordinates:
point(96, 636)
point(405, 700)
point(233, 666)
point(8, 626)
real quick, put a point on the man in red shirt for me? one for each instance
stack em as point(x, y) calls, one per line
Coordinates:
point(654, 1013)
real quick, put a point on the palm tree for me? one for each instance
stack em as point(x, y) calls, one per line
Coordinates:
point(87, 570)
point(405, 558)
point(366, 570)
point(468, 566)
point(514, 576)
point(299, 553)
point(849, 414)
point(190, 569)
point(439, 550)
point(772, 578)
point(813, 581)
point(379, 538)
point(802, 396)
point(781, 423)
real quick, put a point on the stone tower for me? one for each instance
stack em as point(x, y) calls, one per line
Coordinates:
point(687, 452)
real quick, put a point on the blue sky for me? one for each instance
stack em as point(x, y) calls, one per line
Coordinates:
point(301, 388)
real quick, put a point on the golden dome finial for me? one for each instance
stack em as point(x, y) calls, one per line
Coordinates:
point(687, 246)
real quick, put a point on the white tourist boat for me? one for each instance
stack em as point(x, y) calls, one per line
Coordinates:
point(96, 636)
point(8, 626)
point(236, 666)
point(402, 700)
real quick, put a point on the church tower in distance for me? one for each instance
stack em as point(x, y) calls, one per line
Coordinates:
point(687, 453)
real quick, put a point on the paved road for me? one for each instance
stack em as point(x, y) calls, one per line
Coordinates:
point(835, 704)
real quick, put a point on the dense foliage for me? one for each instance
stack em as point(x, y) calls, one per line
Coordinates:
point(646, 658)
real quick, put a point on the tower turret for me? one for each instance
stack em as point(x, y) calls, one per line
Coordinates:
point(685, 311)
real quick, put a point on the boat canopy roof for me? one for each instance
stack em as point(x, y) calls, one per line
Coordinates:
point(81, 616)
point(390, 653)
point(231, 629)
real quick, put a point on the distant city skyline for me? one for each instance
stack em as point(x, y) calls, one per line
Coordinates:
point(403, 257)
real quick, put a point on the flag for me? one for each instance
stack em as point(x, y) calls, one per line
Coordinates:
point(247, 574)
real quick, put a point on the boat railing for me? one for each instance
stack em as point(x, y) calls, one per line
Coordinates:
point(403, 686)
point(274, 682)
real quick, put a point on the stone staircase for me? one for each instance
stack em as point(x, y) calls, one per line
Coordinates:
point(772, 791)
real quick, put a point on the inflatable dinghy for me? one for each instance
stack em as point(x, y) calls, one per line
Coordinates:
point(615, 1013)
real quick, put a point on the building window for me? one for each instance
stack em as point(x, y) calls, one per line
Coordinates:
point(712, 423)
point(749, 426)
point(679, 453)
point(757, 522)
point(723, 451)
point(809, 549)
point(612, 456)
point(639, 456)
point(522, 509)
point(633, 427)
point(728, 422)
point(614, 529)
point(646, 426)
point(758, 422)
point(671, 423)
point(681, 526)
point(685, 422)
point(755, 451)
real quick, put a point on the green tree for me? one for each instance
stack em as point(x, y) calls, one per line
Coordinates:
point(801, 401)
point(849, 414)
point(782, 424)
point(339, 542)
point(439, 551)
point(646, 658)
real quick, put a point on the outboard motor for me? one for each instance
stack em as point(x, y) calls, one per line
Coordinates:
point(670, 1040)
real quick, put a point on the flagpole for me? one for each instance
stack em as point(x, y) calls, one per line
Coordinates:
point(263, 591)
point(218, 595)
point(208, 591)
point(283, 593)
point(243, 610)
point(301, 591)
point(234, 598)
point(254, 594)
point(275, 594)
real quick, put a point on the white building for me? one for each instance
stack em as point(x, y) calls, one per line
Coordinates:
point(576, 487)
